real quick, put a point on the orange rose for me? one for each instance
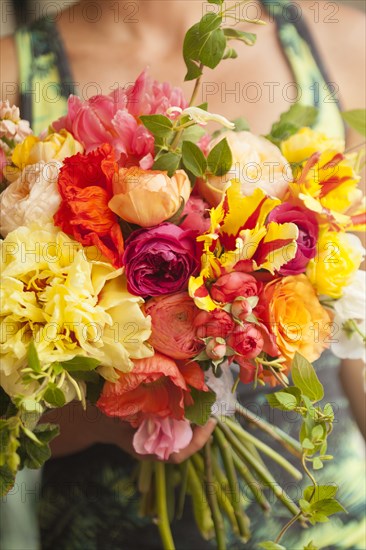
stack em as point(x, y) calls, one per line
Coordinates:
point(148, 197)
point(296, 317)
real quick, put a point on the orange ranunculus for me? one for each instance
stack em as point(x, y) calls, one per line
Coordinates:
point(172, 325)
point(148, 197)
point(85, 185)
point(296, 317)
point(155, 387)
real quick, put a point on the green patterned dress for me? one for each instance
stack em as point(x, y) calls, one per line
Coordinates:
point(87, 501)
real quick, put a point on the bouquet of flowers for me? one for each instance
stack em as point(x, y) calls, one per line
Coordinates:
point(150, 266)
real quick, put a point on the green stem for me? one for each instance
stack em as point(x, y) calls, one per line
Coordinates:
point(262, 472)
point(286, 527)
point(276, 433)
point(252, 483)
point(212, 500)
point(182, 489)
point(163, 521)
point(276, 457)
point(226, 453)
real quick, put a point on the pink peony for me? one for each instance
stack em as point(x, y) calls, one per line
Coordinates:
point(113, 119)
point(197, 217)
point(162, 436)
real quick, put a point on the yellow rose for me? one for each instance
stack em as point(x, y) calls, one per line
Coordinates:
point(148, 197)
point(296, 317)
point(339, 257)
point(306, 142)
point(55, 146)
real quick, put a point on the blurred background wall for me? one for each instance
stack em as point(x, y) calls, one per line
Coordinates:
point(13, 11)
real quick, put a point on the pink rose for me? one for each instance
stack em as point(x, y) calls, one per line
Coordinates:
point(215, 324)
point(160, 260)
point(197, 217)
point(235, 284)
point(162, 436)
point(172, 325)
point(246, 340)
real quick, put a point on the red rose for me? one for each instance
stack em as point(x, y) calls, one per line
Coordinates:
point(235, 284)
point(216, 324)
point(246, 340)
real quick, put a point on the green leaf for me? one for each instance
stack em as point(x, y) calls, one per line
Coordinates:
point(311, 546)
point(168, 162)
point(291, 121)
point(356, 119)
point(204, 44)
point(200, 411)
point(305, 378)
point(307, 444)
point(320, 492)
point(193, 133)
point(288, 401)
point(35, 454)
point(327, 507)
point(54, 396)
point(32, 358)
point(241, 124)
point(4, 402)
point(285, 400)
point(217, 2)
point(247, 37)
point(80, 363)
point(328, 411)
point(317, 463)
point(159, 125)
point(220, 159)
point(269, 545)
point(7, 480)
point(230, 53)
point(193, 158)
point(213, 49)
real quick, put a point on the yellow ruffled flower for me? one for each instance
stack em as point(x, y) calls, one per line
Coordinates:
point(339, 257)
point(55, 146)
point(306, 142)
point(70, 302)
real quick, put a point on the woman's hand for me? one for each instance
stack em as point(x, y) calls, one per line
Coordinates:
point(79, 429)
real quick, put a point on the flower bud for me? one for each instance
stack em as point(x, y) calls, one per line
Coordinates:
point(216, 348)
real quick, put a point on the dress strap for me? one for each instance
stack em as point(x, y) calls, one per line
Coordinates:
point(310, 74)
point(45, 76)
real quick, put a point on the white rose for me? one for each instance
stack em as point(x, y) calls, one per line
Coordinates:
point(32, 197)
point(350, 319)
point(257, 163)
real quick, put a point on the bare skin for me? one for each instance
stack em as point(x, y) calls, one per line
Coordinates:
point(130, 36)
